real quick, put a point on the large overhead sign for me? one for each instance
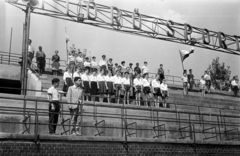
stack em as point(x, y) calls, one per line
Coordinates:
point(114, 18)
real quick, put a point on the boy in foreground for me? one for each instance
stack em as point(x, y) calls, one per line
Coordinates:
point(54, 106)
point(75, 98)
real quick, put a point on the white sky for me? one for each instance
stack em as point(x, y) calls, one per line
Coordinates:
point(217, 15)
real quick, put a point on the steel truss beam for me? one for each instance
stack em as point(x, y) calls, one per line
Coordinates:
point(112, 18)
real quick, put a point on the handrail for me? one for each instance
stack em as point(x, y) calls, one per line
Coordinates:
point(174, 80)
point(192, 123)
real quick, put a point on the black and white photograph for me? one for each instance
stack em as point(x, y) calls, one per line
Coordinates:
point(119, 77)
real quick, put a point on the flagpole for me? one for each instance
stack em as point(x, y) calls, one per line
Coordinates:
point(181, 60)
point(182, 66)
point(66, 42)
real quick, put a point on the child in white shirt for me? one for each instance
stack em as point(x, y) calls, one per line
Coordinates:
point(126, 87)
point(202, 86)
point(164, 92)
point(185, 83)
point(54, 106)
point(137, 83)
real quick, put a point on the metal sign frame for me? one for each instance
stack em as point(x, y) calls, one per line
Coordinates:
point(113, 18)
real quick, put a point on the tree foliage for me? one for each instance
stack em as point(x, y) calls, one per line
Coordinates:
point(220, 75)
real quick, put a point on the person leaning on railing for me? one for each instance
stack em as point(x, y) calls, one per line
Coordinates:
point(54, 106)
point(75, 98)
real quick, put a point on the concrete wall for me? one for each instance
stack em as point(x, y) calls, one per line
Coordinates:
point(10, 72)
point(24, 145)
point(33, 83)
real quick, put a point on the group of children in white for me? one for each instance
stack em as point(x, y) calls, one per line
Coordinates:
point(121, 83)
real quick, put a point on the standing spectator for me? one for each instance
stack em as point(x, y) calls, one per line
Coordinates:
point(67, 78)
point(71, 61)
point(156, 89)
point(75, 98)
point(102, 85)
point(146, 88)
point(115, 68)
point(54, 106)
point(190, 80)
point(55, 63)
point(235, 86)
point(164, 92)
point(208, 81)
point(202, 85)
point(78, 72)
point(79, 60)
point(103, 63)
point(137, 69)
point(161, 73)
point(130, 69)
point(110, 65)
point(87, 63)
point(137, 83)
point(86, 83)
point(124, 68)
point(110, 83)
point(185, 82)
point(31, 51)
point(41, 60)
point(126, 85)
point(94, 63)
point(117, 85)
point(145, 68)
point(120, 68)
point(93, 85)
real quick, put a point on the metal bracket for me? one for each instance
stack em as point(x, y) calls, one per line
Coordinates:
point(63, 125)
point(127, 129)
point(27, 128)
point(156, 130)
point(100, 132)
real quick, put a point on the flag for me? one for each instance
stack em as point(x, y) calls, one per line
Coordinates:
point(185, 53)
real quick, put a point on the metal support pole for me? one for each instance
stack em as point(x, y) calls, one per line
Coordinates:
point(25, 58)
point(10, 47)
point(23, 62)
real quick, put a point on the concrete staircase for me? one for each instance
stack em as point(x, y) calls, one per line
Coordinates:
point(218, 108)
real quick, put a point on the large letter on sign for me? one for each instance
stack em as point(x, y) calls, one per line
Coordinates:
point(205, 34)
point(134, 19)
point(222, 39)
point(88, 11)
point(237, 43)
point(169, 27)
point(187, 31)
point(117, 17)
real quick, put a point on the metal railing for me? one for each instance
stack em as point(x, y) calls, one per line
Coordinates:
point(14, 58)
point(186, 124)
